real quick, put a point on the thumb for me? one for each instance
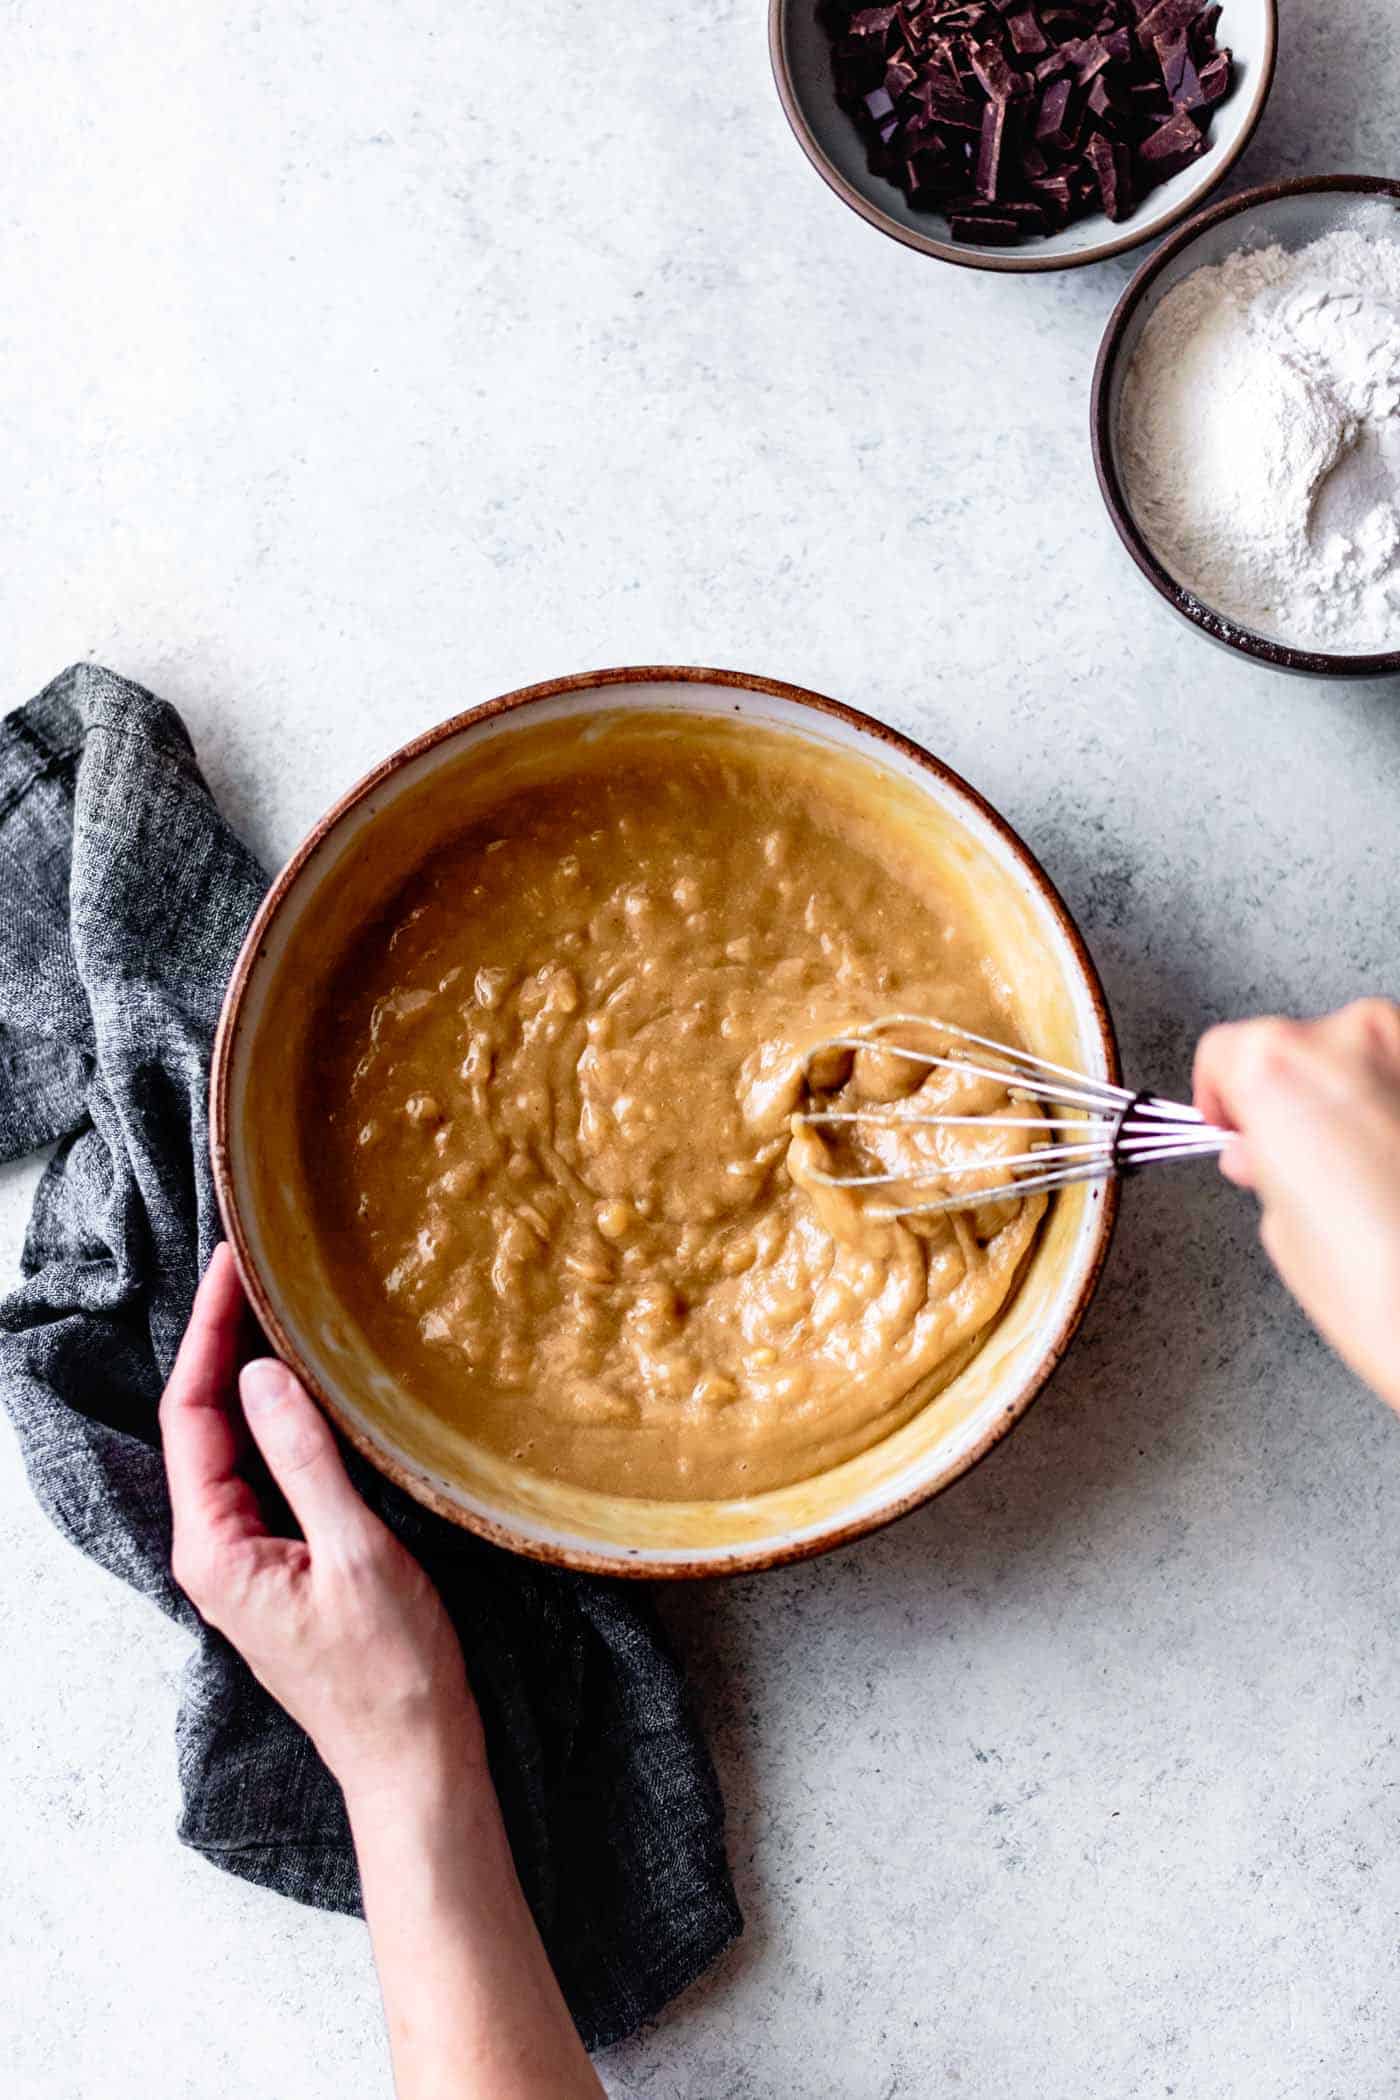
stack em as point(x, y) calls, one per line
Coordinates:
point(296, 1441)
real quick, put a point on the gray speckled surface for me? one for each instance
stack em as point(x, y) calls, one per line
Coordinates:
point(369, 365)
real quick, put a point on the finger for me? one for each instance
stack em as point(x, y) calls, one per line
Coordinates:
point(1217, 1054)
point(209, 1498)
point(295, 1440)
point(1363, 1036)
point(1244, 1063)
point(1236, 1166)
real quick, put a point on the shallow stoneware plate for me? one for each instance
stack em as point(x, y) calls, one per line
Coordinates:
point(1293, 215)
point(346, 871)
point(801, 54)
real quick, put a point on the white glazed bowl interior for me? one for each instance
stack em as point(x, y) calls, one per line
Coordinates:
point(830, 139)
point(255, 1137)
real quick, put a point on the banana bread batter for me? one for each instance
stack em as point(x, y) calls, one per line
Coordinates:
point(547, 1122)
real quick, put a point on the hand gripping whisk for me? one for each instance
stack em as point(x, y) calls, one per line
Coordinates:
point(1092, 1129)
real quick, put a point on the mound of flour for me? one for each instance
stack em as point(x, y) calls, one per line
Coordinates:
point(1259, 440)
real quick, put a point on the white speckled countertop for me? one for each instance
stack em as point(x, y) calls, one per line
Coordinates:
point(362, 362)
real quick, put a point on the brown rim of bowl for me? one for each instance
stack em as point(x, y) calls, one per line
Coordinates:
point(1009, 261)
point(1217, 626)
point(586, 1560)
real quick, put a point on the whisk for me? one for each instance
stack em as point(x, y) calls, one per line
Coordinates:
point(1095, 1129)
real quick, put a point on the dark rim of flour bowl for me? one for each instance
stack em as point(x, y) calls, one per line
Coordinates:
point(586, 1558)
point(1218, 627)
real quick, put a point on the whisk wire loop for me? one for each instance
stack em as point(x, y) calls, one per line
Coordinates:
point(1101, 1129)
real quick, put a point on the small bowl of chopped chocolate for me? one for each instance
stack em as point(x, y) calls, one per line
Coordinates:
point(1023, 134)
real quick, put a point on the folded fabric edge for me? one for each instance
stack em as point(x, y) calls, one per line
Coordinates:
point(706, 1939)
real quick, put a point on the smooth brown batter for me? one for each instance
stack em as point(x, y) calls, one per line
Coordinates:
point(547, 1123)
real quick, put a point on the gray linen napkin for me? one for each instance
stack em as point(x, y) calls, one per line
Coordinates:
point(123, 900)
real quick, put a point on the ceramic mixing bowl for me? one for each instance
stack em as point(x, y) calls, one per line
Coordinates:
point(335, 879)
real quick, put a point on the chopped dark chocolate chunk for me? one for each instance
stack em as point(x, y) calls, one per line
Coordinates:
point(1052, 66)
point(1088, 57)
point(1015, 117)
point(1173, 57)
point(873, 22)
point(1187, 92)
point(855, 73)
point(1215, 80)
point(1113, 172)
point(995, 73)
point(1026, 34)
point(1172, 147)
point(1056, 193)
point(1001, 129)
point(1166, 18)
point(1109, 107)
point(1025, 210)
point(1149, 99)
point(947, 106)
point(989, 232)
point(1203, 31)
point(1057, 125)
point(932, 180)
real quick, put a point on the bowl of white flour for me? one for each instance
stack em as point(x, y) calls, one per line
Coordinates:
point(1246, 421)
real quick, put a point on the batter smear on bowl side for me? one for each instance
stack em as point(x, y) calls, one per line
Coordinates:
point(547, 1121)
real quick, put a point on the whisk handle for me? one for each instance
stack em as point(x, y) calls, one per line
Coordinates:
point(1123, 1166)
